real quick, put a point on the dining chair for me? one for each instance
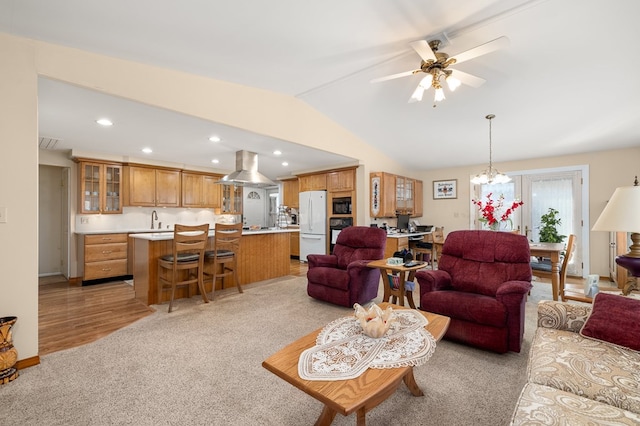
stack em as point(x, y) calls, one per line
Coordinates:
point(542, 269)
point(184, 266)
point(222, 261)
point(437, 243)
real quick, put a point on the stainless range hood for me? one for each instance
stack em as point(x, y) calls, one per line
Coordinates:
point(246, 173)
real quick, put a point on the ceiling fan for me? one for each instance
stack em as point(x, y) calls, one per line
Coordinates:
point(436, 65)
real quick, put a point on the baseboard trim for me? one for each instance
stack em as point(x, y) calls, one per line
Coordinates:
point(75, 281)
point(28, 362)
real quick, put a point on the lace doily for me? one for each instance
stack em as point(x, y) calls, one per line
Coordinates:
point(343, 352)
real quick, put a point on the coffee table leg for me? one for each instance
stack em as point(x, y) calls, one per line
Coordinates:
point(326, 417)
point(410, 381)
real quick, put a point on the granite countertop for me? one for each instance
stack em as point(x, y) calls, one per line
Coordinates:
point(163, 234)
point(159, 236)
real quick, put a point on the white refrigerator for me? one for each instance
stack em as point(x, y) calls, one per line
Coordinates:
point(312, 217)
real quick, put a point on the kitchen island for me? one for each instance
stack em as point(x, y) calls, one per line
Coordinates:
point(264, 254)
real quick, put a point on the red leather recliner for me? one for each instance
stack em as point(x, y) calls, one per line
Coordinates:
point(481, 283)
point(343, 278)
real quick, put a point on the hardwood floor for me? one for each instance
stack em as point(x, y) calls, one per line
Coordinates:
point(71, 316)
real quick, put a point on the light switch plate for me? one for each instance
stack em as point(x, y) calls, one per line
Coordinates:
point(3, 215)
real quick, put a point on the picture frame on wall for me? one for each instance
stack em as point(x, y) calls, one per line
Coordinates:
point(445, 189)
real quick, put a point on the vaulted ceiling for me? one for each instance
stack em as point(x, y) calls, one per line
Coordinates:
point(566, 82)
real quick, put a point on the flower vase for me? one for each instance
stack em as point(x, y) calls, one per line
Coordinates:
point(503, 225)
point(8, 354)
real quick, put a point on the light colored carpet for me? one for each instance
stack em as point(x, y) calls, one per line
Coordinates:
point(201, 365)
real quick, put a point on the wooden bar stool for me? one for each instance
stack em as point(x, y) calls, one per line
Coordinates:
point(224, 256)
point(185, 265)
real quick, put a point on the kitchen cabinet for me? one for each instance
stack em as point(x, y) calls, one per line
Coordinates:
point(313, 182)
point(392, 195)
point(295, 244)
point(383, 194)
point(290, 193)
point(201, 190)
point(395, 244)
point(404, 195)
point(231, 199)
point(100, 188)
point(418, 195)
point(151, 187)
point(103, 256)
point(341, 180)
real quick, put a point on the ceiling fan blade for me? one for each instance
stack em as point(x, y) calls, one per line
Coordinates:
point(483, 49)
point(423, 49)
point(468, 79)
point(392, 76)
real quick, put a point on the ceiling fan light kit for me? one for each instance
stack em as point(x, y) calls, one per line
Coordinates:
point(435, 64)
point(490, 175)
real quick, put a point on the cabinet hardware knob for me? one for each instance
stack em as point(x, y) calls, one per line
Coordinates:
point(106, 251)
point(106, 269)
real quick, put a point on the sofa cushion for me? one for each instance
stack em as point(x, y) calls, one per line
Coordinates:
point(544, 405)
point(591, 368)
point(614, 319)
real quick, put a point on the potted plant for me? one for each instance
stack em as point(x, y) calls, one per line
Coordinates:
point(549, 227)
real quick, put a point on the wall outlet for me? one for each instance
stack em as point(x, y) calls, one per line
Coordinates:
point(3, 215)
point(84, 220)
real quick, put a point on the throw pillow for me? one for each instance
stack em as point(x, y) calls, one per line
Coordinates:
point(614, 319)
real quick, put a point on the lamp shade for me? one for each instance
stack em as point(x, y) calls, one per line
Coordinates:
point(622, 212)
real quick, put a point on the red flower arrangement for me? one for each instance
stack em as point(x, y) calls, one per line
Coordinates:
point(493, 213)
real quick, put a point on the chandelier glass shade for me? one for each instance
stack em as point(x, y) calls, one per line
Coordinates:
point(490, 175)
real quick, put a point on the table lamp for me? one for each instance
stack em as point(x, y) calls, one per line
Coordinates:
point(622, 214)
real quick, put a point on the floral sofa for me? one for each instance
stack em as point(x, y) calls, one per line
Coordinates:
point(584, 365)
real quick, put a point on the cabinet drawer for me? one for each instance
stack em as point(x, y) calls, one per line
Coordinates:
point(106, 269)
point(105, 239)
point(100, 252)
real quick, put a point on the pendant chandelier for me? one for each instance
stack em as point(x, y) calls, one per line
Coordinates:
point(490, 175)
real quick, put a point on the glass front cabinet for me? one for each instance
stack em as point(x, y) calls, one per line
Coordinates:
point(100, 188)
point(231, 199)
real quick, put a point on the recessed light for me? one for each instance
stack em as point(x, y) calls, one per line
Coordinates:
point(104, 122)
point(284, 163)
point(276, 152)
point(147, 150)
point(215, 139)
point(215, 161)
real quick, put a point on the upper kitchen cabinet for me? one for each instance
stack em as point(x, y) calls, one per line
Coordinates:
point(100, 188)
point(291, 193)
point(151, 187)
point(383, 194)
point(313, 182)
point(231, 199)
point(418, 191)
point(405, 198)
point(341, 180)
point(201, 190)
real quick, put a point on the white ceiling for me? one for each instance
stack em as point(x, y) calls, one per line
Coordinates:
point(567, 82)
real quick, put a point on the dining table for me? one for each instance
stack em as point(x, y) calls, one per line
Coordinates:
point(553, 252)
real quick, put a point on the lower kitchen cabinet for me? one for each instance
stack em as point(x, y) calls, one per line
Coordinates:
point(103, 256)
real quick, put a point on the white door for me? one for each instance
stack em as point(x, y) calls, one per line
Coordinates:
point(255, 206)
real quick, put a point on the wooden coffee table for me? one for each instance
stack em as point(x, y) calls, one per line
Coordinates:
point(346, 396)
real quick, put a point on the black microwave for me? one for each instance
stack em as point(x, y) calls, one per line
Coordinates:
point(342, 205)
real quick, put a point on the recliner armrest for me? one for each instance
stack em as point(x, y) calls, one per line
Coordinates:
point(326, 260)
point(513, 287)
point(433, 280)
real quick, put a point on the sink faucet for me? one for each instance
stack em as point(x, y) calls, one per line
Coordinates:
point(154, 214)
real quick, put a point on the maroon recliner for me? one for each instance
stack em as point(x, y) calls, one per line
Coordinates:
point(481, 283)
point(343, 278)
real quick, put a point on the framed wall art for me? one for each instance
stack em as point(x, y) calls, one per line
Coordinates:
point(443, 189)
